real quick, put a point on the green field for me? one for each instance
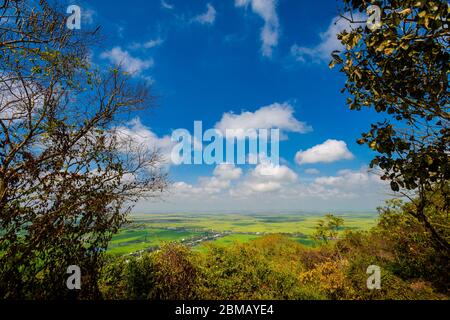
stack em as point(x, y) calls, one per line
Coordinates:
point(226, 241)
point(133, 238)
point(149, 231)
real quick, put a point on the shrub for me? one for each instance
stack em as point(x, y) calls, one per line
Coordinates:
point(176, 275)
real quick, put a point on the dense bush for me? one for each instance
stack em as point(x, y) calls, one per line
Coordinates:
point(266, 268)
point(416, 254)
point(167, 274)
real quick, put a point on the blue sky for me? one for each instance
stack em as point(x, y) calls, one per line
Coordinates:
point(259, 61)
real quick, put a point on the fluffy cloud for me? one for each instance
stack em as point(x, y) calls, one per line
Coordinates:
point(129, 63)
point(135, 135)
point(327, 152)
point(208, 17)
point(345, 178)
point(227, 172)
point(228, 179)
point(282, 191)
point(219, 182)
point(328, 43)
point(266, 9)
point(265, 178)
point(213, 185)
point(268, 172)
point(277, 115)
point(182, 189)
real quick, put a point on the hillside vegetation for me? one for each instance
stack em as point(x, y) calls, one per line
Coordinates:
point(275, 267)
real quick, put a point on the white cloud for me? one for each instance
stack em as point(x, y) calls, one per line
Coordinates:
point(329, 41)
point(277, 115)
point(346, 177)
point(347, 190)
point(208, 17)
point(266, 9)
point(182, 189)
point(266, 171)
point(264, 178)
point(212, 185)
point(147, 45)
point(135, 135)
point(327, 152)
point(227, 172)
point(129, 63)
point(220, 181)
point(167, 5)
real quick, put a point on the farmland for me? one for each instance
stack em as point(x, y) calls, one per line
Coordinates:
point(146, 232)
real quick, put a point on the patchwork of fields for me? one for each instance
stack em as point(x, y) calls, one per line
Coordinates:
point(148, 231)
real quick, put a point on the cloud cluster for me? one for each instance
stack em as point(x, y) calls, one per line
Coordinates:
point(270, 32)
point(126, 61)
point(277, 115)
point(327, 152)
point(284, 190)
point(266, 178)
point(135, 135)
point(346, 178)
point(227, 172)
point(220, 182)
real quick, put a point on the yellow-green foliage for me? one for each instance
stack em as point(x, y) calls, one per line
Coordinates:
point(265, 268)
point(177, 274)
point(171, 273)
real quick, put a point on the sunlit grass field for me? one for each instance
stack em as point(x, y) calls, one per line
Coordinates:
point(133, 239)
point(226, 241)
point(151, 230)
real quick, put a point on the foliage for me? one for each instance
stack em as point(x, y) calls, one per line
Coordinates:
point(401, 70)
point(265, 268)
point(67, 178)
point(171, 273)
point(275, 267)
point(177, 274)
point(328, 228)
point(416, 256)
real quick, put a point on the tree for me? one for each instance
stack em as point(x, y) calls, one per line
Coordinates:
point(328, 228)
point(401, 70)
point(68, 176)
point(411, 245)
